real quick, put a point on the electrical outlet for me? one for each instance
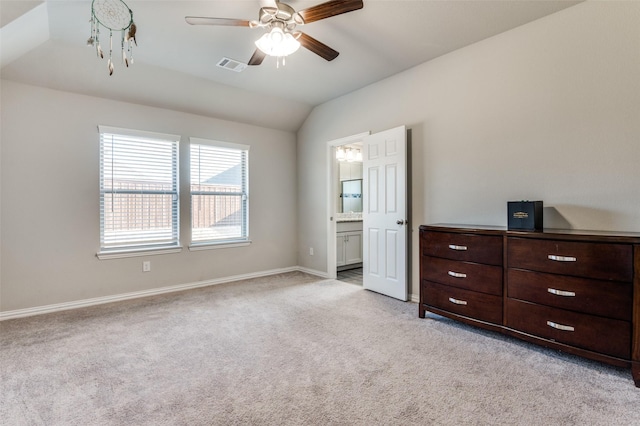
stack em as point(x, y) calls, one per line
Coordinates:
point(146, 266)
point(310, 251)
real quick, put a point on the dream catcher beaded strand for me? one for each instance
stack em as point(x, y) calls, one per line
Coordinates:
point(114, 15)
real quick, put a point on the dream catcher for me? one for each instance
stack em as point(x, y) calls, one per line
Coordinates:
point(115, 16)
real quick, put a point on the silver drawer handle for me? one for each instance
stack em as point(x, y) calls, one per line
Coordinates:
point(561, 292)
point(457, 274)
point(459, 248)
point(457, 302)
point(562, 258)
point(560, 326)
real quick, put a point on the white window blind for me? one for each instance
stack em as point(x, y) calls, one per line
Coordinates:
point(219, 192)
point(138, 190)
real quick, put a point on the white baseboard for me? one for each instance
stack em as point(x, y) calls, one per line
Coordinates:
point(39, 310)
point(320, 274)
point(415, 298)
point(47, 309)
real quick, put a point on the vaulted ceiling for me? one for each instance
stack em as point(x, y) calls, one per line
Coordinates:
point(44, 43)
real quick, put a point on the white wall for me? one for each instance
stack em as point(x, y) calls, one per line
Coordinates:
point(50, 200)
point(548, 111)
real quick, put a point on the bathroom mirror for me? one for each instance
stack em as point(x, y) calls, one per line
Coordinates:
point(349, 178)
point(351, 195)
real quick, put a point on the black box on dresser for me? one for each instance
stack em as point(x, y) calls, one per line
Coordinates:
point(525, 215)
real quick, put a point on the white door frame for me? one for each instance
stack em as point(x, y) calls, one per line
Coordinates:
point(332, 173)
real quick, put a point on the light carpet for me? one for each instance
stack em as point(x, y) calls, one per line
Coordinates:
point(291, 349)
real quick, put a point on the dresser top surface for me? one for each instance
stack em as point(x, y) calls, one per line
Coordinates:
point(547, 233)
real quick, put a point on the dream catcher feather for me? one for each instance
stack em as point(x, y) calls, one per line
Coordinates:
point(114, 16)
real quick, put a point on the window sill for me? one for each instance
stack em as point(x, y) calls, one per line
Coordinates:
point(214, 246)
point(119, 254)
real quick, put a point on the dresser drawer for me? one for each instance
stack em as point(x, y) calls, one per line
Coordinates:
point(607, 336)
point(481, 306)
point(467, 247)
point(582, 259)
point(610, 299)
point(471, 276)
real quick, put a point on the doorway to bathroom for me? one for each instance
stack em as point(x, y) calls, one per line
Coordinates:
point(345, 233)
point(348, 215)
point(377, 237)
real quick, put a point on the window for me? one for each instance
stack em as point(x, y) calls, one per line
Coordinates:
point(138, 191)
point(219, 192)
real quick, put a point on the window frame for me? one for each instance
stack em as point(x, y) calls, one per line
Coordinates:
point(141, 249)
point(220, 243)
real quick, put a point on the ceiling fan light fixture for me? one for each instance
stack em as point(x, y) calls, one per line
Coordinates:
point(277, 43)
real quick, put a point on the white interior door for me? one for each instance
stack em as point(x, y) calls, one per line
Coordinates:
point(384, 216)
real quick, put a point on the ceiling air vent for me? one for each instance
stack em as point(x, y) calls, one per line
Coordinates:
point(232, 65)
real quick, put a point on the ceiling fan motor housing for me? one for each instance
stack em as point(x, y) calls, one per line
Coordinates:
point(282, 15)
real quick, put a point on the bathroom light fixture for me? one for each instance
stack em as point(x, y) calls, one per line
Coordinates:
point(350, 155)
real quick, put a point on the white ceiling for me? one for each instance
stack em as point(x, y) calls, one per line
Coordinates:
point(175, 63)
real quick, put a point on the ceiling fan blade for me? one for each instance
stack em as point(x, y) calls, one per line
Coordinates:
point(200, 20)
point(317, 47)
point(257, 57)
point(329, 9)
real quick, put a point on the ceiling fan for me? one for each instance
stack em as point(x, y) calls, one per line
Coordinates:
point(281, 21)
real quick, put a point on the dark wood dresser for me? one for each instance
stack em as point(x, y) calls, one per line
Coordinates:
point(576, 291)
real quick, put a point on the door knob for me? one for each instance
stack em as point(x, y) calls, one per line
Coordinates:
point(400, 222)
